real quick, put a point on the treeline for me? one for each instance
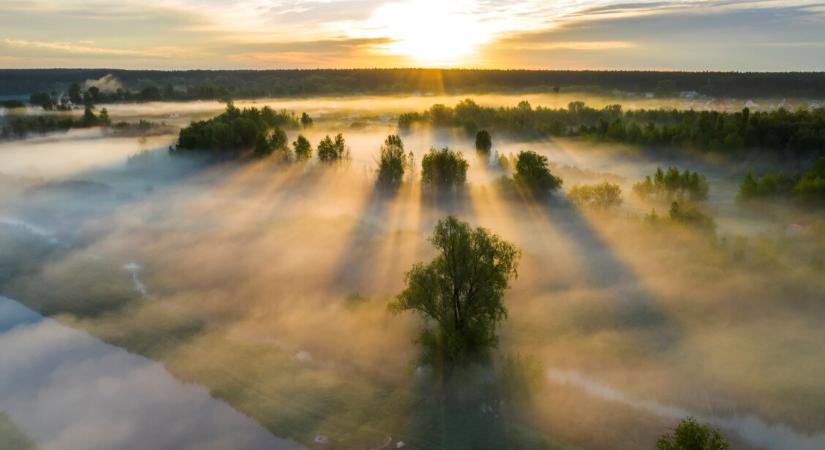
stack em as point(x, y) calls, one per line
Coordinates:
point(807, 186)
point(18, 127)
point(215, 84)
point(802, 131)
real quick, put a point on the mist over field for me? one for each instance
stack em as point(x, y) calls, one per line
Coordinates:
point(266, 285)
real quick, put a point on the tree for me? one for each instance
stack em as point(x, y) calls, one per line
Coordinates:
point(332, 150)
point(306, 121)
point(484, 142)
point(94, 93)
point(533, 173)
point(89, 118)
point(103, 117)
point(302, 147)
point(460, 292)
point(74, 94)
point(392, 163)
point(42, 99)
point(443, 168)
point(691, 435)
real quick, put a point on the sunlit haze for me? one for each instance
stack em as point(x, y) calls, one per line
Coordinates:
point(262, 34)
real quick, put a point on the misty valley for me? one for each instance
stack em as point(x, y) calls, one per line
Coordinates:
point(558, 270)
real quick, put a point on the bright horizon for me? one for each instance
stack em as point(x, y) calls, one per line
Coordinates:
point(738, 35)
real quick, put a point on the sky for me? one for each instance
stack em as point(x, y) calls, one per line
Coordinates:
point(742, 35)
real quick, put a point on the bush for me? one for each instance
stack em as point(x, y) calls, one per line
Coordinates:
point(392, 163)
point(330, 151)
point(598, 196)
point(443, 168)
point(533, 173)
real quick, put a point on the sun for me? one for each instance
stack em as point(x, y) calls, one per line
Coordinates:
point(428, 32)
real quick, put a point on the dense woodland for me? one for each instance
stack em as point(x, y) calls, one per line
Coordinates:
point(781, 130)
point(20, 126)
point(216, 84)
point(807, 186)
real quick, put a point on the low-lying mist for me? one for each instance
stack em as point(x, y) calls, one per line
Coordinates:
point(268, 283)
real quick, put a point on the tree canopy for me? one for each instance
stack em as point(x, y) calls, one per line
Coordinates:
point(443, 169)
point(484, 142)
point(392, 163)
point(800, 132)
point(330, 150)
point(673, 184)
point(236, 131)
point(533, 173)
point(597, 196)
point(302, 148)
point(460, 292)
point(691, 435)
point(807, 186)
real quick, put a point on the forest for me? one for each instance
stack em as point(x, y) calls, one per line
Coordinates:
point(779, 131)
point(144, 85)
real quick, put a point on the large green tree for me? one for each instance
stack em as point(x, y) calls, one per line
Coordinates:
point(460, 292)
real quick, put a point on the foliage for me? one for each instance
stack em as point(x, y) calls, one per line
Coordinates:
point(484, 142)
point(216, 84)
point(443, 168)
point(276, 143)
point(807, 186)
point(392, 163)
point(798, 132)
point(302, 147)
point(21, 126)
point(306, 121)
point(42, 99)
point(691, 435)
point(236, 131)
point(330, 150)
point(673, 184)
point(533, 173)
point(598, 196)
point(687, 214)
point(459, 293)
point(11, 104)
